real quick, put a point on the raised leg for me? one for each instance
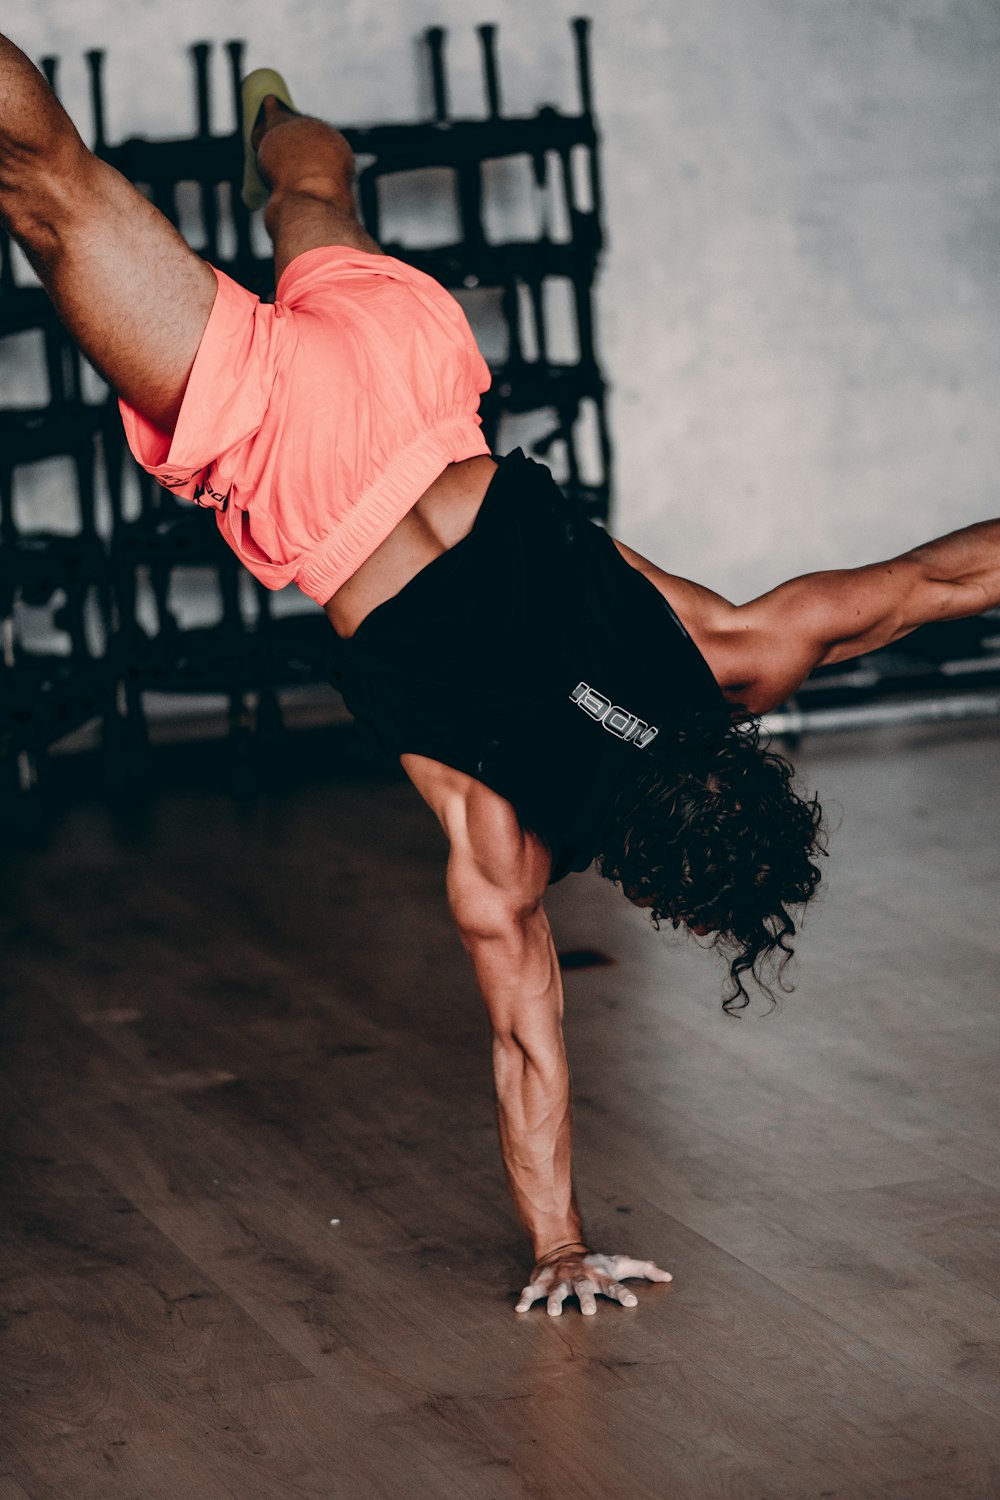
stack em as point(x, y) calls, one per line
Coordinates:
point(131, 292)
point(310, 169)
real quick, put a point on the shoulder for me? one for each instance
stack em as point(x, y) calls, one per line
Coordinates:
point(714, 624)
point(758, 653)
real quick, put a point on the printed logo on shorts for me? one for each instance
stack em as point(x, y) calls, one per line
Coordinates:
point(616, 720)
point(203, 495)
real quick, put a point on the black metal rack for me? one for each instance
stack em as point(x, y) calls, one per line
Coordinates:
point(48, 691)
point(108, 589)
point(253, 651)
point(940, 673)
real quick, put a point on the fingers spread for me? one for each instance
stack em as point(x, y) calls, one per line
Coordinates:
point(557, 1296)
point(605, 1274)
point(622, 1293)
point(623, 1266)
point(585, 1289)
point(531, 1294)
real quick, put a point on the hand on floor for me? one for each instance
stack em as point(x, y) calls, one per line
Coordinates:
point(587, 1276)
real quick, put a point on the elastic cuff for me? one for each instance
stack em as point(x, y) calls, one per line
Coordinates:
point(385, 502)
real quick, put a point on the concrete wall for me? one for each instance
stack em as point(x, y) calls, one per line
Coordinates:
point(799, 305)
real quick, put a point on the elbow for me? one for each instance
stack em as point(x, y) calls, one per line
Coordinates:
point(487, 914)
point(511, 951)
point(518, 975)
point(934, 596)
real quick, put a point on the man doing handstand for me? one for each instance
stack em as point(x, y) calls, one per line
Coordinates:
point(555, 698)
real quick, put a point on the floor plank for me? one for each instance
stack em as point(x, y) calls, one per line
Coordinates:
point(225, 1026)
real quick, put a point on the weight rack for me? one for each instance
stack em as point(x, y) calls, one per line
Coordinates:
point(131, 570)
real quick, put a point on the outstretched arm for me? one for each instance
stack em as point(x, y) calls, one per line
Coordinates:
point(768, 647)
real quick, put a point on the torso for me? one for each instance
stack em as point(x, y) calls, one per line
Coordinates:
point(442, 517)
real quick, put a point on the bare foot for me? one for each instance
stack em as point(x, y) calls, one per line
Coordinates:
point(270, 113)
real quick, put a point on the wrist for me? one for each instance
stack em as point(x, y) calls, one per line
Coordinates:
point(570, 1247)
point(557, 1230)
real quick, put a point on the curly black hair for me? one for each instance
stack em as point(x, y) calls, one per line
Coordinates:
point(710, 833)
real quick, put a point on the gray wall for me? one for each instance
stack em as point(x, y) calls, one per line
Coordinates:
point(798, 307)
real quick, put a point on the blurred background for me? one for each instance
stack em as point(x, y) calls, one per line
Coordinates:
point(792, 272)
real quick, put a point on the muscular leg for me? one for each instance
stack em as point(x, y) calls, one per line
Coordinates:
point(131, 292)
point(127, 287)
point(310, 169)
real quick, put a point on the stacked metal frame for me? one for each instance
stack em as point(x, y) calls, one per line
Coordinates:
point(252, 649)
point(109, 589)
point(55, 586)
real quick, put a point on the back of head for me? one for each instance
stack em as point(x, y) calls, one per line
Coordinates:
point(710, 833)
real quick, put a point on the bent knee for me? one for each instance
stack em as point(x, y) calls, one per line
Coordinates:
point(311, 188)
point(302, 151)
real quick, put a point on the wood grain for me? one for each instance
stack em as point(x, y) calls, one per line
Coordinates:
point(225, 1026)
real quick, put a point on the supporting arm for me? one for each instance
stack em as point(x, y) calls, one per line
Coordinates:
point(510, 945)
point(497, 875)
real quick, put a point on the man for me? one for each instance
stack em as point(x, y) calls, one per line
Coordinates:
point(529, 672)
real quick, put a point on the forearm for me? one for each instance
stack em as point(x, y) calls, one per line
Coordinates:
point(535, 1126)
point(961, 572)
point(518, 974)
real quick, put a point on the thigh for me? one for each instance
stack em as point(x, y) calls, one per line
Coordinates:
point(127, 286)
point(299, 222)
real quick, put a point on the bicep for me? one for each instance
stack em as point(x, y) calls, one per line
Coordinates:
point(864, 609)
point(824, 618)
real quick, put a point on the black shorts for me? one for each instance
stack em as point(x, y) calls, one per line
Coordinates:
point(482, 659)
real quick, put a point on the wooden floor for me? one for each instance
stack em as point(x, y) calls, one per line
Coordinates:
point(256, 1241)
